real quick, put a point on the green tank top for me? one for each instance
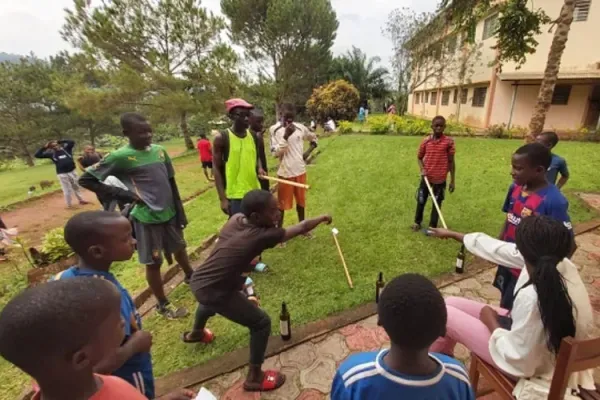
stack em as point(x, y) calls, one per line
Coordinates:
point(240, 170)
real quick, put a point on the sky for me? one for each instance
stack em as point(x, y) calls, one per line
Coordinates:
point(33, 25)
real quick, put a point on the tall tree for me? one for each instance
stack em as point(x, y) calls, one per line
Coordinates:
point(360, 71)
point(170, 44)
point(289, 40)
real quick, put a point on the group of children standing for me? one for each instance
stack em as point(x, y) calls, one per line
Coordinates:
point(70, 334)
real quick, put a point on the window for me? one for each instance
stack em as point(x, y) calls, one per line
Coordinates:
point(417, 98)
point(479, 96)
point(489, 26)
point(445, 97)
point(464, 93)
point(561, 94)
point(455, 97)
point(582, 10)
point(433, 98)
point(425, 97)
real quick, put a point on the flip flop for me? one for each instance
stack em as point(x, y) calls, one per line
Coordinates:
point(260, 267)
point(207, 338)
point(272, 380)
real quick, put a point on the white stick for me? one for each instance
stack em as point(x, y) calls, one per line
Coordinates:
point(285, 182)
point(337, 244)
point(435, 203)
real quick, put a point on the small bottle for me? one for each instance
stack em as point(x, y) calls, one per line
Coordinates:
point(379, 287)
point(460, 260)
point(285, 327)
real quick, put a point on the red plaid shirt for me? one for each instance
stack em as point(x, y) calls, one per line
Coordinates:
point(435, 154)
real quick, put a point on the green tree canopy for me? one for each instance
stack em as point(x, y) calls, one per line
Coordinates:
point(289, 40)
point(169, 51)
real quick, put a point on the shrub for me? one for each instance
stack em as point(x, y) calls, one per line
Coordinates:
point(496, 131)
point(380, 127)
point(345, 127)
point(110, 141)
point(338, 100)
point(54, 245)
point(418, 127)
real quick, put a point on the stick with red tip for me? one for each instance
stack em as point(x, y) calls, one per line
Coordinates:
point(337, 244)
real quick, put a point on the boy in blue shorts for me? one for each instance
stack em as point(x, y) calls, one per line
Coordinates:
point(413, 313)
point(100, 238)
point(558, 165)
point(529, 194)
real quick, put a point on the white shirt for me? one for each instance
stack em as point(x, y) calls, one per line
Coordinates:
point(291, 151)
point(522, 351)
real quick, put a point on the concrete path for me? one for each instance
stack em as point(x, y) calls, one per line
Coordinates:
point(310, 367)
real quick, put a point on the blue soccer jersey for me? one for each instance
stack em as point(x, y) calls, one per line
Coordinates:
point(138, 369)
point(365, 376)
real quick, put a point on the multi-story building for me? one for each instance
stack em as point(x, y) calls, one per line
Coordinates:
point(485, 96)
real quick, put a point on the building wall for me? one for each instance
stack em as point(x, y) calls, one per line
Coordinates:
point(581, 54)
point(559, 117)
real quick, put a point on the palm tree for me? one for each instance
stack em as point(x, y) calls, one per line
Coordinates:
point(356, 68)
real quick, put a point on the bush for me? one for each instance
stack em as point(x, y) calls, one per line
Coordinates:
point(380, 127)
point(110, 141)
point(345, 127)
point(338, 100)
point(496, 131)
point(54, 245)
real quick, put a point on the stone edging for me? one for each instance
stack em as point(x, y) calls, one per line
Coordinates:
point(236, 359)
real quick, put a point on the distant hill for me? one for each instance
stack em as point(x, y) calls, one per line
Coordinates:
point(9, 57)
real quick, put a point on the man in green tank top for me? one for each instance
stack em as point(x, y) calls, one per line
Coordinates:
point(236, 160)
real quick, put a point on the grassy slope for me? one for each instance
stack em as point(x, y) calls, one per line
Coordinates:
point(17, 182)
point(368, 184)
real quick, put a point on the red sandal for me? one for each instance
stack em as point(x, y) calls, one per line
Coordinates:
point(272, 380)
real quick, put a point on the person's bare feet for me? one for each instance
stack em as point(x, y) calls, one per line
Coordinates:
point(84, 203)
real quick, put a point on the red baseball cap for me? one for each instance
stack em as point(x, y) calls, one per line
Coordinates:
point(233, 103)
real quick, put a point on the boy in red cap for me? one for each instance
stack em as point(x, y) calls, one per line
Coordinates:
point(235, 157)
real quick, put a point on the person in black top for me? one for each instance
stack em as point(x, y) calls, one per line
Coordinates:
point(257, 127)
point(61, 154)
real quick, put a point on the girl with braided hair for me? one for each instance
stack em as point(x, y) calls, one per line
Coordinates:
point(551, 303)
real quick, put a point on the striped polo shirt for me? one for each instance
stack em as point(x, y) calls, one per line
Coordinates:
point(435, 153)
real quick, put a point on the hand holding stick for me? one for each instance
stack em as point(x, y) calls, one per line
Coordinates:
point(337, 244)
point(435, 203)
point(285, 182)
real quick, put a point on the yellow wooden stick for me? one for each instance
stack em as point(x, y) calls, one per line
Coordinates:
point(435, 203)
point(285, 182)
point(337, 244)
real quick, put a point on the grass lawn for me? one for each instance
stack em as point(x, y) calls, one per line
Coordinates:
point(16, 182)
point(368, 184)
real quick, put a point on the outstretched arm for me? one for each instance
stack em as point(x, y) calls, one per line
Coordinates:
point(305, 227)
point(219, 171)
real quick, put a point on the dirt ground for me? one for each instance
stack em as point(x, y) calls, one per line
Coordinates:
point(39, 216)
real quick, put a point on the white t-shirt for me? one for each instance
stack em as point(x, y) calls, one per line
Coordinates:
point(522, 351)
point(291, 151)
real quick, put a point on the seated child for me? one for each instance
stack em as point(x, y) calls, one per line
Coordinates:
point(100, 238)
point(412, 312)
point(218, 283)
point(57, 332)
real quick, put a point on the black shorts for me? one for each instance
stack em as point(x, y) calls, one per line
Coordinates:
point(207, 164)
